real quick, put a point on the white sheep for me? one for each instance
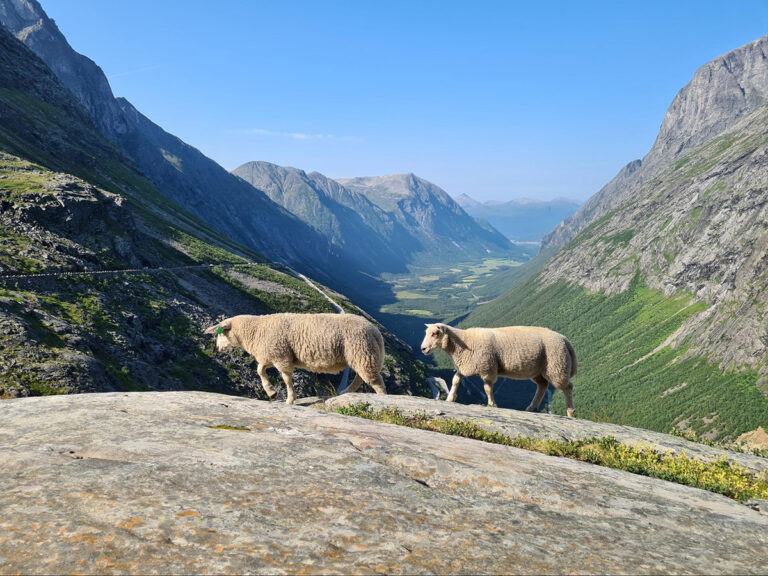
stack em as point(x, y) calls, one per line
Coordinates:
point(324, 343)
point(519, 352)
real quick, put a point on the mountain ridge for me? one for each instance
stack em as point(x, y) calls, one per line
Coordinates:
point(521, 219)
point(180, 171)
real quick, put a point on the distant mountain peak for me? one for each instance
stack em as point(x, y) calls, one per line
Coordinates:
point(465, 200)
point(720, 93)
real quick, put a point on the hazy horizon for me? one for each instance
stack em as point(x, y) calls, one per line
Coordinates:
point(495, 100)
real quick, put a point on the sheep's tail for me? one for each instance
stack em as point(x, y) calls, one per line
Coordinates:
point(572, 352)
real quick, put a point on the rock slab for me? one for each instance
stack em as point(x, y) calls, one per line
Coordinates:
point(192, 482)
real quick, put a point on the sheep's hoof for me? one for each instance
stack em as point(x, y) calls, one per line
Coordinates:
point(272, 397)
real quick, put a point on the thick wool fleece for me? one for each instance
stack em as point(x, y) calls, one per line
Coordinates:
point(324, 343)
point(519, 352)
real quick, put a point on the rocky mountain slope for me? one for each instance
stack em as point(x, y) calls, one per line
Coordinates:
point(718, 96)
point(521, 219)
point(384, 223)
point(349, 220)
point(193, 482)
point(178, 170)
point(74, 328)
point(439, 225)
point(670, 261)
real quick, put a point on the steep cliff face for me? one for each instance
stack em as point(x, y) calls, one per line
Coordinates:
point(31, 25)
point(718, 96)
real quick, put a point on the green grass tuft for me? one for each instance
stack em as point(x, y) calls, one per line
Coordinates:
point(228, 427)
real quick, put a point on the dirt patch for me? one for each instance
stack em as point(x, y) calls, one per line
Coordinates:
point(755, 439)
point(262, 285)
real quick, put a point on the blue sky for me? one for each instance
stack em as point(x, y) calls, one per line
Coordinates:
point(494, 99)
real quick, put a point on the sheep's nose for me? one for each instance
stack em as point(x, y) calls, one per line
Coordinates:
point(424, 349)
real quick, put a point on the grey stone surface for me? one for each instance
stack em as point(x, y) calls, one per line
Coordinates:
point(515, 423)
point(143, 483)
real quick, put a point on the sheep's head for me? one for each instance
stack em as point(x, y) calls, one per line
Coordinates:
point(222, 332)
point(436, 337)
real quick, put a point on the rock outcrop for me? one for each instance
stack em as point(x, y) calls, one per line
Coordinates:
point(193, 482)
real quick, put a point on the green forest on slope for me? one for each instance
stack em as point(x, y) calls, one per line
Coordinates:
point(622, 377)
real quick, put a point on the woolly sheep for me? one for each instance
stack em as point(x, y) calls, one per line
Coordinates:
point(324, 343)
point(518, 352)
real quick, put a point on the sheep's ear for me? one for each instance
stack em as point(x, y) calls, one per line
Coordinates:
point(443, 328)
point(219, 328)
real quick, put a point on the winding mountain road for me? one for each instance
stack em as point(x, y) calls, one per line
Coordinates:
point(5, 277)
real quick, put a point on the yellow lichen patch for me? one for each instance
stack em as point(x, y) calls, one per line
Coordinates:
point(130, 523)
point(187, 514)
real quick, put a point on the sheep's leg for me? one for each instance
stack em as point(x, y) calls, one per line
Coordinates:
point(568, 391)
point(376, 382)
point(542, 384)
point(454, 387)
point(488, 385)
point(262, 370)
point(288, 379)
point(354, 385)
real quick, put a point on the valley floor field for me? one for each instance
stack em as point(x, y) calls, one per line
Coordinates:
point(441, 291)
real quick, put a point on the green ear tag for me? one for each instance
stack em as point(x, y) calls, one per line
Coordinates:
point(219, 330)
